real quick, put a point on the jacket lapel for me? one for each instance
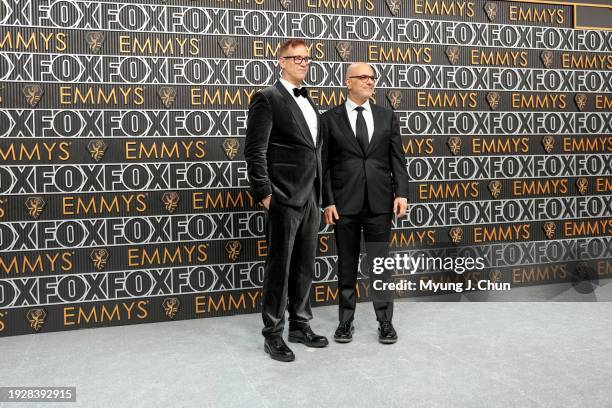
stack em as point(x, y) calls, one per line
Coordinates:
point(297, 114)
point(316, 109)
point(347, 131)
point(377, 115)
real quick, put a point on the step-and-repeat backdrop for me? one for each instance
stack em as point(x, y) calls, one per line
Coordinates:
point(124, 196)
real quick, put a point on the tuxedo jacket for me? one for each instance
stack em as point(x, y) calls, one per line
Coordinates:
point(349, 172)
point(282, 158)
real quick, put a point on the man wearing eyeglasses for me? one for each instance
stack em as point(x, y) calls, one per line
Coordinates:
point(365, 183)
point(283, 155)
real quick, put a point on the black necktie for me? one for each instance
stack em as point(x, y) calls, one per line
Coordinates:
point(361, 130)
point(300, 92)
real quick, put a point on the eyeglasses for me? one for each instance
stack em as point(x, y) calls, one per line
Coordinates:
point(364, 78)
point(298, 59)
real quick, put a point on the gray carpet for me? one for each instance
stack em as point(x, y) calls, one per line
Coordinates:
point(450, 354)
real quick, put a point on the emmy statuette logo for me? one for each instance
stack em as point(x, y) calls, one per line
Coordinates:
point(33, 94)
point(490, 9)
point(394, 98)
point(344, 50)
point(452, 53)
point(170, 201)
point(495, 188)
point(456, 235)
point(233, 250)
point(97, 149)
point(99, 258)
point(454, 144)
point(35, 206)
point(547, 58)
point(230, 147)
point(36, 318)
point(549, 144)
point(95, 40)
point(171, 307)
point(228, 46)
point(167, 94)
point(549, 230)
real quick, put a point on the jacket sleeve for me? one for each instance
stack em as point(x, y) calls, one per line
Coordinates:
point(398, 162)
point(258, 129)
point(328, 194)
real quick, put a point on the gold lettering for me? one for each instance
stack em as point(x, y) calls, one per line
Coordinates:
point(253, 296)
point(553, 101)
point(418, 146)
point(498, 233)
point(462, 189)
point(114, 96)
point(603, 185)
point(199, 304)
point(323, 246)
point(38, 152)
point(68, 315)
point(534, 15)
point(156, 46)
point(111, 316)
point(74, 205)
point(587, 144)
point(539, 274)
point(573, 61)
point(182, 254)
point(239, 97)
point(330, 98)
point(446, 100)
point(20, 263)
point(500, 145)
point(241, 304)
point(227, 199)
point(404, 239)
point(99, 314)
point(367, 5)
point(504, 58)
point(603, 102)
point(539, 187)
point(264, 49)
point(587, 228)
point(444, 8)
point(604, 268)
point(324, 293)
point(35, 41)
point(163, 150)
point(262, 248)
point(411, 55)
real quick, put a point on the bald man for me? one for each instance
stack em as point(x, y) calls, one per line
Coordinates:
point(364, 183)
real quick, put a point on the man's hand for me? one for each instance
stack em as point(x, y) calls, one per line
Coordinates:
point(266, 202)
point(400, 206)
point(330, 215)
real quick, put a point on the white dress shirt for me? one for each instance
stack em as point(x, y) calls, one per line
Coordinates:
point(367, 115)
point(369, 120)
point(307, 110)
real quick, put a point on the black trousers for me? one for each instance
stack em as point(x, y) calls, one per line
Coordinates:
point(292, 235)
point(377, 233)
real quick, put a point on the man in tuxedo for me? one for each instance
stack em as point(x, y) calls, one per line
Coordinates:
point(365, 182)
point(283, 155)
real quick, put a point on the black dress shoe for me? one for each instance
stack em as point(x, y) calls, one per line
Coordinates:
point(344, 332)
point(306, 336)
point(278, 350)
point(386, 333)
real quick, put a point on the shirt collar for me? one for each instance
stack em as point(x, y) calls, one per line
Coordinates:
point(350, 105)
point(289, 86)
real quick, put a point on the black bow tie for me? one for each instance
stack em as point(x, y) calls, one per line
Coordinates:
point(300, 92)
